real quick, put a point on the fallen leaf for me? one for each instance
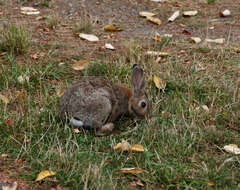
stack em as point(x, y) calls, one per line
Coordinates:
point(218, 41)
point(6, 186)
point(157, 38)
point(190, 13)
point(131, 170)
point(89, 37)
point(4, 99)
point(34, 56)
point(21, 79)
point(159, 83)
point(137, 148)
point(80, 65)
point(236, 49)
point(146, 14)
point(186, 32)
point(45, 173)
point(109, 46)
point(205, 108)
point(123, 146)
point(224, 13)
point(29, 11)
point(76, 130)
point(157, 53)
point(158, 1)
point(210, 183)
point(168, 35)
point(174, 16)
point(195, 39)
point(112, 28)
point(154, 20)
point(4, 156)
point(59, 92)
point(232, 148)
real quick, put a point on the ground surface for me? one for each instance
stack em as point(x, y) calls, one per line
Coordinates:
point(184, 141)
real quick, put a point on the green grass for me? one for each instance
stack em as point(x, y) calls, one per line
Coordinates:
point(184, 142)
point(52, 21)
point(14, 39)
point(83, 25)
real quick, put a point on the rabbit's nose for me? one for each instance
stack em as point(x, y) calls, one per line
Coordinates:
point(75, 121)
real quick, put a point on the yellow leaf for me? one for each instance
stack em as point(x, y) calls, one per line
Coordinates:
point(137, 148)
point(210, 183)
point(131, 170)
point(80, 65)
point(123, 146)
point(112, 28)
point(157, 38)
point(154, 20)
point(4, 99)
point(45, 173)
point(159, 83)
point(59, 92)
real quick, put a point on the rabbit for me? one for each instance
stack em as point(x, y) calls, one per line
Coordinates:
point(94, 102)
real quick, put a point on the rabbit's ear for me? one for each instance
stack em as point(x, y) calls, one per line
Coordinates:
point(137, 78)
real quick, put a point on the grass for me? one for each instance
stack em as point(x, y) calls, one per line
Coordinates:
point(84, 25)
point(14, 39)
point(52, 21)
point(184, 141)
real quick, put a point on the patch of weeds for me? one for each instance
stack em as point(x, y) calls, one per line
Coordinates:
point(14, 39)
point(53, 21)
point(45, 3)
point(211, 1)
point(83, 25)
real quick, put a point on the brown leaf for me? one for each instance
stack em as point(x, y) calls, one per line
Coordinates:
point(80, 65)
point(4, 99)
point(210, 183)
point(186, 32)
point(111, 28)
point(157, 38)
point(76, 130)
point(131, 170)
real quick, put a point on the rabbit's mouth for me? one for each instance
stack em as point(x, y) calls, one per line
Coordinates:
point(135, 113)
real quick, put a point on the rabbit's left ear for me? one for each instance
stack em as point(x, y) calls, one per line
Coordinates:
point(137, 78)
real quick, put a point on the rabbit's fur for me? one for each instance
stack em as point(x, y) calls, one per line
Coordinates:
point(95, 101)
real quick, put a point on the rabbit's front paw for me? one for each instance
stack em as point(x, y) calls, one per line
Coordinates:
point(76, 122)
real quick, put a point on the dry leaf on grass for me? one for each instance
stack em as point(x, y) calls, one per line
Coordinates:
point(4, 99)
point(80, 65)
point(224, 13)
point(59, 92)
point(195, 39)
point(89, 37)
point(45, 173)
point(125, 146)
point(205, 108)
point(146, 14)
point(29, 11)
point(6, 186)
point(157, 38)
point(22, 78)
point(159, 83)
point(217, 41)
point(174, 16)
point(112, 28)
point(211, 183)
point(109, 46)
point(76, 130)
point(190, 13)
point(232, 148)
point(157, 53)
point(154, 20)
point(131, 170)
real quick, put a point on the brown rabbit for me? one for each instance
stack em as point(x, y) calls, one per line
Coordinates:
point(95, 101)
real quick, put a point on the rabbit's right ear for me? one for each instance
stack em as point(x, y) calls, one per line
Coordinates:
point(137, 78)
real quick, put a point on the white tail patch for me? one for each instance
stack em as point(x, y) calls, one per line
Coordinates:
point(76, 123)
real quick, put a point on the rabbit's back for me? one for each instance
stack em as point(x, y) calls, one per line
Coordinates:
point(90, 100)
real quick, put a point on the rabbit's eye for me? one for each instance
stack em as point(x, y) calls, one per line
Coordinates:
point(143, 104)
